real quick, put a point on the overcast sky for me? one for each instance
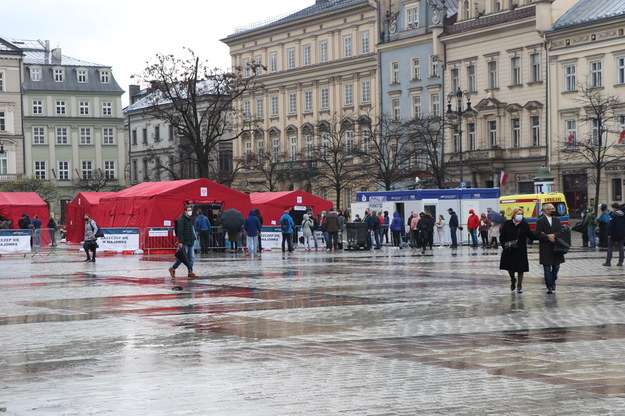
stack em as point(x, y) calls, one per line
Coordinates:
point(126, 33)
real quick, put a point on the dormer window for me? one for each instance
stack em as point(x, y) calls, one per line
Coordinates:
point(59, 74)
point(412, 16)
point(81, 75)
point(35, 74)
point(105, 77)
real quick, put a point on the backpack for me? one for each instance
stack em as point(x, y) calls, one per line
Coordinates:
point(284, 224)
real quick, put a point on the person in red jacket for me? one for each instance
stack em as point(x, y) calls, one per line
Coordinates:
point(473, 223)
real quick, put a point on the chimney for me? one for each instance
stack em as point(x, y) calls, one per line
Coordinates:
point(133, 90)
point(57, 56)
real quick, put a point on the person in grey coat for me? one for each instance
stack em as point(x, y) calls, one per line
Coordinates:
point(90, 240)
point(548, 228)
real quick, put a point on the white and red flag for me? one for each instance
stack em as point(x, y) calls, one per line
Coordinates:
point(503, 178)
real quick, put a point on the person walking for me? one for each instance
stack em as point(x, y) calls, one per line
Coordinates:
point(307, 231)
point(440, 230)
point(286, 228)
point(387, 225)
point(202, 229)
point(616, 234)
point(251, 225)
point(332, 227)
point(514, 235)
point(603, 220)
point(548, 229)
point(52, 228)
point(453, 227)
point(590, 223)
point(496, 219)
point(484, 228)
point(186, 239)
point(90, 241)
point(397, 227)
point(473, 223)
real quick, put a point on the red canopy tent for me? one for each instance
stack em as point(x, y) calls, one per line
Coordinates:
point(14, 204)
point(83, 203)
point(158, 204)
point(273, 204)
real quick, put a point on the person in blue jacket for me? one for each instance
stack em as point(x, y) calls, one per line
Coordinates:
point(252, 227)
point(397, 226)
point(286, 228)
point(202, 227)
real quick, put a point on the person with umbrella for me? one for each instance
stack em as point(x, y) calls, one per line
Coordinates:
point(186, 238)
point(232, 221)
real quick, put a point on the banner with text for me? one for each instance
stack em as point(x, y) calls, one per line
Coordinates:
point(15, 241)
point(119, 239)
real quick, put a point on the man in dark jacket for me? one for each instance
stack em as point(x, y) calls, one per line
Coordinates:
point(548, 228)
point(453, 227)
point(186, 238)
point(331, 225)
point(202, 229)
point(372, 224)
point(616, 234)
point(251, 225)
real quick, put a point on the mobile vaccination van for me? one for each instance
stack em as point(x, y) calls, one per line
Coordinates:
point(532, 205)
point(436, 201)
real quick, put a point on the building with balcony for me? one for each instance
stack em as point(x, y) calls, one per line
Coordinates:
point(11, 136)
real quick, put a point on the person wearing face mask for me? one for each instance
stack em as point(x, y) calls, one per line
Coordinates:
point(548, 228)
point(186, 238)
point(515, 232)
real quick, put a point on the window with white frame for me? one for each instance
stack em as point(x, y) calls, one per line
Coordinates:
point(60, 107)
point(365, 89)
point(260, 147)
point(364, 43)
point(37, 107)
point(293, 148)
point(3, 123)
point(109, 169)
point(570, 78)
point(492, 133)
point(1, 81)
point(63, 170)
point(81, 75)
point(323, 51)
point(61, 136)
point(275, 149)
point(306, 51)
point(59, 74)
point(595, 134)
point(455, 79)
point(86, 170)
point(35, 74)
point(596, 74)
point(347, 46)
point(39, 135)
point(260, 108)
point(515, 76)
point(258, 65)
point(492, 75)
point(516, 132)
point(536, 75)
point(40, 169)
point(290, 58)
point(248, 147)
point(416, 107)
point(246, 68)
point(325, 143)
point(471, 136)
point(395, 72)
point(105, 77)
point(274, 105)
point(107, 108)
point(325, 98)
point(535, 125)
point(4, 163)
point(85, 135)
point(144, 136)
point(396, 109)
point(435, 104)
point(471, 80)
point(456, 142)
point(411, 13)
point(292, 103)
point(83, 107)
point(350, 141)
point(273, 62)
point(620, 70)
point(349, 94)
point(247, 110)
point(570, 131)
point(416, 69)
point(108, 135)
point(308, 98)
point(433, 66)
point(366, 141)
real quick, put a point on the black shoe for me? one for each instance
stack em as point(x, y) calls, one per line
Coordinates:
point(519, 289)
point(619, 264)
point(607, 264)
point(88, 259)
point(549, 291)
point(512, 283)
point(92, 260)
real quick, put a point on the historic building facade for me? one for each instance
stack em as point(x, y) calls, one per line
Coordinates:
point(11, 136)
point(586, 50)
point(321, 65)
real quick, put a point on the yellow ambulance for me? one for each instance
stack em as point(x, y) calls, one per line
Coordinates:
point(532, 205)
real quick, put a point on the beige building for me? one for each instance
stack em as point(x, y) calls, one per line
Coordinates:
point(11, 136)
point(586, 49)
point(495, 52)
point(320, 65)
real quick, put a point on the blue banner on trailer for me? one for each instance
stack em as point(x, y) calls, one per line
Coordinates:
point(420, 194)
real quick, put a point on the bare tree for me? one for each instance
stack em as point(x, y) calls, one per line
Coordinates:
point(95, 182)
point(426, 139)
point(273, 167)
point(595, 150)
point(198, 102)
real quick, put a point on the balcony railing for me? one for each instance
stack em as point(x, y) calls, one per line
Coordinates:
point(9, 177)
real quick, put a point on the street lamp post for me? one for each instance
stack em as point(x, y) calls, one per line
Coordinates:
point(455, 116)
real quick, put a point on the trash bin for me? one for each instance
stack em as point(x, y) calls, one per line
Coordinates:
point(566, 233)
point(356, 235)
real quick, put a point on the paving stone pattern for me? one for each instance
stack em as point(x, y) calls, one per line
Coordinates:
point(388, 332)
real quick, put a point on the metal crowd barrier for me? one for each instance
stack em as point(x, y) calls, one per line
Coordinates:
point(28, 241)
point(157, 240)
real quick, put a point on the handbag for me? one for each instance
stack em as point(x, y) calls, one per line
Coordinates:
point(560, 246)
point(512, 244)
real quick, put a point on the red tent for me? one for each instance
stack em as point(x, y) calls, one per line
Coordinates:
point(273, 204)
point(83, 203)
point(14, 204)
point(158, 204)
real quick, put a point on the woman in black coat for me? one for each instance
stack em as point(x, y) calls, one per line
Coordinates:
point(514, 260)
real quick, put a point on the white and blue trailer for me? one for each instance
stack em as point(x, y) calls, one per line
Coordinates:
point(436, 201)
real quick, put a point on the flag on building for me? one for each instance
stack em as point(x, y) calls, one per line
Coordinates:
point(570, 138)
point(621, 137)
point(503, 178)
